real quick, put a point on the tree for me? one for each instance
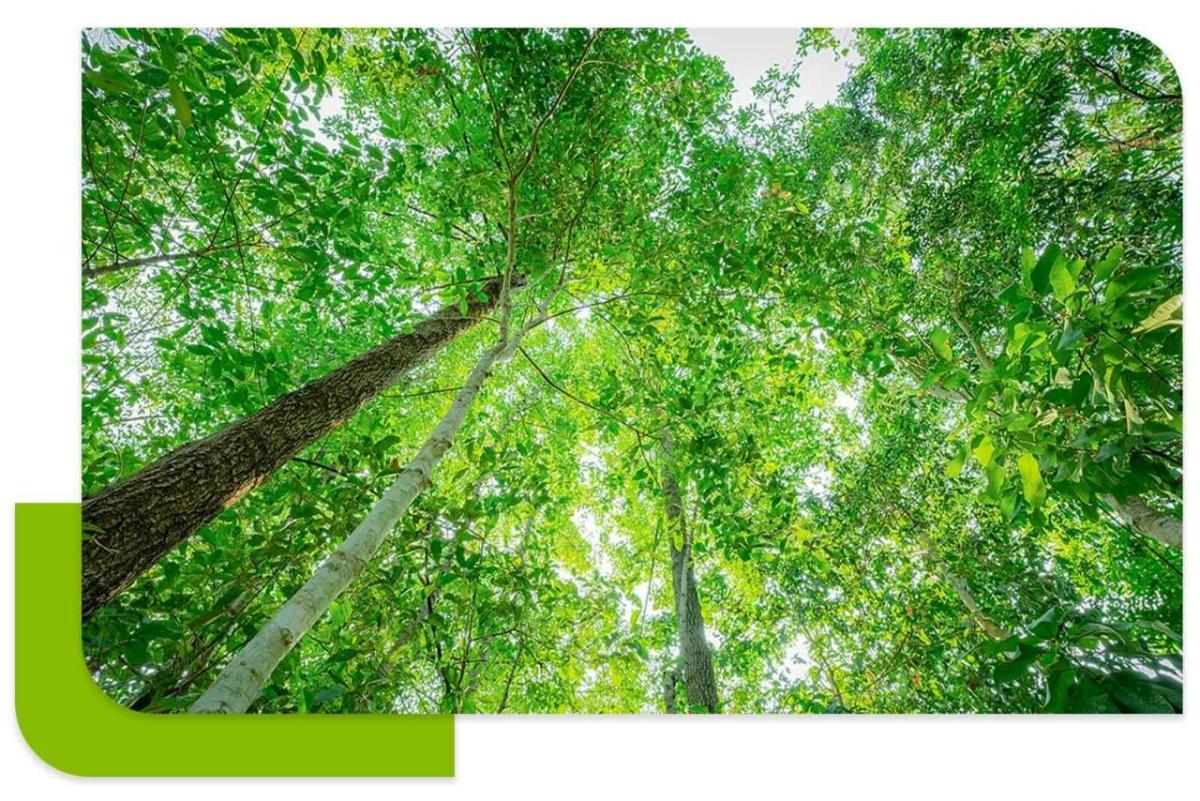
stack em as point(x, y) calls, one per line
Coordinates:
point(865, 407)
point(242, 679)
point(695, 660)
point(133, 523)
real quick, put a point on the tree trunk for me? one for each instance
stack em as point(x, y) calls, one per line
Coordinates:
point(669, 679)
point(699, 680)
point(243, 678)
point(990, 627)
point(136, 521)
point(961, 588)
point(1140, 517)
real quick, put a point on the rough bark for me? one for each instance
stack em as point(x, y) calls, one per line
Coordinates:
point(243, 678)
point(669, 679)
point(699, 679)
point(136, 521)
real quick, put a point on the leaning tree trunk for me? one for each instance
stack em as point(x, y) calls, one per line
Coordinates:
point(989, 626)
point(699, 680)
point(1136, 514)
point(135, 522)
point(243, 678)
point(961, 588)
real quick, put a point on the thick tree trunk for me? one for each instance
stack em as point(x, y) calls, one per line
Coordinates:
point(699, 680)
point(135, 522)
point(243, 678)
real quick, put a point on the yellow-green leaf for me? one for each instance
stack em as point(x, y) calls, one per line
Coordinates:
point(941, 343)
point(1169, 312)
point(984, 450)
point(995, 478)
point(1132, 417)
point(1031, 480)
point(954, 467)
point(1061, 280)
point(183, 109)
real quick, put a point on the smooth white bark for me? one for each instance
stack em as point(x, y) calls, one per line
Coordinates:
point(959, 585)
point(991, 627)
point(243, 678)
point(1140, 517)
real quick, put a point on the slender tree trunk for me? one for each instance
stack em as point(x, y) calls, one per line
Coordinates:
point(990, 627)
point(699, 680)
point(669, 678)
point(165, 258)
point(961, 588)
point(135, 522)
point(243, 678)
point(1140, 517)
point(508, 683)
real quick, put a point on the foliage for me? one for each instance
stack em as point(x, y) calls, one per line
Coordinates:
point(917, 350)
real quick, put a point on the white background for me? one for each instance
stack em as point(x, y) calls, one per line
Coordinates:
point(533, 757)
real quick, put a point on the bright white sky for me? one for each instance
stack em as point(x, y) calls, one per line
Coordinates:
point(749, 52)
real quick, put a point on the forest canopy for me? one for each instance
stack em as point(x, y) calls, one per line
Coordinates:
point(520, 371)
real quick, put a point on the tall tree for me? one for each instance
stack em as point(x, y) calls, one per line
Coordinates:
point(133, 523)
point(695, 659)
point(917, 348)
point(239, 684)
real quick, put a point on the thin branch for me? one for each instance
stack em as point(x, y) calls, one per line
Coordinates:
point(576, 398)
point(1115, 77)
point(329, 468)
point(562, 93)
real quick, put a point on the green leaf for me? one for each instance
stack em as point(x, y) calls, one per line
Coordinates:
point(325, 696)
point(382, 445)
point(954, 467)
point(1169, 312)
point(996, 474)
point(1028, 262)
point(183, 109)
point(136, 653)
point(1132, 417)
point(1060, 683)
point(152, 76)
point(109, 81)
point(1133, 693)
point(1016, 667)
point(1040, 275)
point(1046, 626)
point(1104, 269)
point(1061, 280)
point(984, 450)
point(1031, 480)
point(940, 339)
point(1071, 336)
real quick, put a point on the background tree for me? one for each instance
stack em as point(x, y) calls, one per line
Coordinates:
point(917, 351)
